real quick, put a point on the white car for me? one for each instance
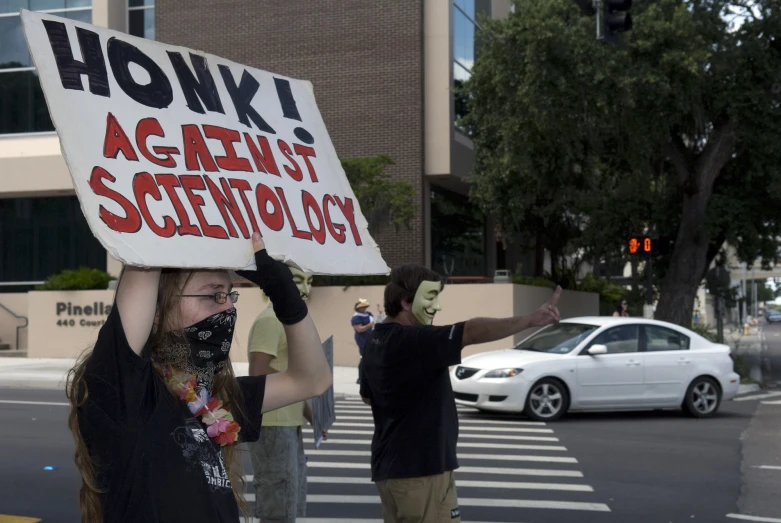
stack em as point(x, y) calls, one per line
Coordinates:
point(600, 363)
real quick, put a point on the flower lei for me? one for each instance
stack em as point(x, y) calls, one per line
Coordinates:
point(220, 425)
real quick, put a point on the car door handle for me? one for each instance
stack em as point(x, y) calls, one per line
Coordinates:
point(632, 363)
point(684, 361)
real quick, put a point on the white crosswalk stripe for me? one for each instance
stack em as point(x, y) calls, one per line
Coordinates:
point(340, 487)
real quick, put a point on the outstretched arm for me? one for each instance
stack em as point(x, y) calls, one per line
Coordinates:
point(484, 330)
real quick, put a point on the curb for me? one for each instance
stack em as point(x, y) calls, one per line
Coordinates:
point(746, 389)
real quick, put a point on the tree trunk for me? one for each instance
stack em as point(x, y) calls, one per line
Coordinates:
point(687, 264)
point(539, 256)
point(690, 256)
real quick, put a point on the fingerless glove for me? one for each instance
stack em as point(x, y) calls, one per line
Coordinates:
point(276, 280)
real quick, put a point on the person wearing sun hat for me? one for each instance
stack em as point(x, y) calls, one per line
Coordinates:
point(363, 323)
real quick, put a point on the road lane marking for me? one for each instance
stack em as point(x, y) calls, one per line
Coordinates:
point(469, 502)
point(355, 416)
point(767, 467)
point(463, 433)
point(469, 444)
point(758, 396)
point(465, 456)
point(777, 402)
point(499, 471)
point(568, 487)
point(464, 502)
point(745, 517)
point(19, 402)
point(17, 519)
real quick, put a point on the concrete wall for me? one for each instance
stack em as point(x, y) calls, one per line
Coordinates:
point(65, 323)
point(17, 302)
point(64, 331)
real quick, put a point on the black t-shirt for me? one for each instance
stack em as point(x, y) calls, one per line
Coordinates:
point(152, 457)
point(405, 375)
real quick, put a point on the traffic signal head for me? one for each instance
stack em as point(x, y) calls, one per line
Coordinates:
point(643, 245)
point(615, 18)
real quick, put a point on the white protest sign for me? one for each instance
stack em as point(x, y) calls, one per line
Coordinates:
point(177, 156)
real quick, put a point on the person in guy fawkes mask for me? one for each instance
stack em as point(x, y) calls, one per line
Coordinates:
point(278, 459)
point(405, 380)
point(156, 411)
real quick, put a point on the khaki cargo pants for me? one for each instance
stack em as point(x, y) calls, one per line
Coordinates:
point(430, 499)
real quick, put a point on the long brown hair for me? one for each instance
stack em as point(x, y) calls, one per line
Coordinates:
point(226, 387)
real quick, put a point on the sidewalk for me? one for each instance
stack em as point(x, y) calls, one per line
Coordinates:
point(43, 373)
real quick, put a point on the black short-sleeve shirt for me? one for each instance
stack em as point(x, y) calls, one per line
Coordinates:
point(153, 459)
point(404, 373)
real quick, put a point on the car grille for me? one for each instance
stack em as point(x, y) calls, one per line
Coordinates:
point(472, 398)
point(463, 373)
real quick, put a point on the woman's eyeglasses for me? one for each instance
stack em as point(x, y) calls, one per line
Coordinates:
point(218, 297)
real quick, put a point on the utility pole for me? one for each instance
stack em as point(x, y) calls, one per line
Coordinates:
point(612, 17)
point(755, 293)
point(744, 312)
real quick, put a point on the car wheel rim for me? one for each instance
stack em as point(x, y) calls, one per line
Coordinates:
point(704, 397)
point(546, 400)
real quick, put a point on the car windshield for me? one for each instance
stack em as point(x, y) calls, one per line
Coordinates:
point(557, 339)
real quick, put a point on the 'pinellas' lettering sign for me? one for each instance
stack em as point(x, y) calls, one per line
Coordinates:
point(91, 315)
point(178, 156)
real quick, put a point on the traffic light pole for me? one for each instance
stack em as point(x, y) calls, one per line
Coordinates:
point(599, 18)
point(650, 291)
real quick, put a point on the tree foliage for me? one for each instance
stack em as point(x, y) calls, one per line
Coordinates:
point(674, 131)
point(382, 200)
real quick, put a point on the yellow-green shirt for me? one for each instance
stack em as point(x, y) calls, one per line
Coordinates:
point(267, 335)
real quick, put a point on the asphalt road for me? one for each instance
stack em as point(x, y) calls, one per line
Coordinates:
point(601, 468)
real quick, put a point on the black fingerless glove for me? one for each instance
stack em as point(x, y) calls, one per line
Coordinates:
point(276, 280)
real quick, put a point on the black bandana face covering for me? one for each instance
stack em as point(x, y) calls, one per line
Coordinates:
point(207, 350)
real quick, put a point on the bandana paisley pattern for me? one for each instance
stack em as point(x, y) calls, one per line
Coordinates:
point(206, 351)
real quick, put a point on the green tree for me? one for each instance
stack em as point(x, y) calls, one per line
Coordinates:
point(674, 132)
point(382, 200)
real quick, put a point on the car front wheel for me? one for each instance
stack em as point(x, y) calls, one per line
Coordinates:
point(548, 400)
point(703, 398)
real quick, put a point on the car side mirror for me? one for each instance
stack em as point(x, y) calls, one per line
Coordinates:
point(595, 350)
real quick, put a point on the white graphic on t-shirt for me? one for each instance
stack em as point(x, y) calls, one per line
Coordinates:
point(199, 452)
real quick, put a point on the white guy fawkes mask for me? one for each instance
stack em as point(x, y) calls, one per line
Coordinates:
point(303, 281)
point(426, 303)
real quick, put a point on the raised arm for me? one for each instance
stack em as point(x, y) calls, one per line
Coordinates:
point(136, 299)
point(307, 374)
point(484, 330)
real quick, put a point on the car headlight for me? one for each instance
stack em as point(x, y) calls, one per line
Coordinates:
point(503, 373)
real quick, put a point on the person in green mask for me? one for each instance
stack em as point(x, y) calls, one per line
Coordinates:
point(278, 459)
point(405, 380)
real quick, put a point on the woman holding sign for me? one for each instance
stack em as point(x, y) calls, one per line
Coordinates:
point(156, 409)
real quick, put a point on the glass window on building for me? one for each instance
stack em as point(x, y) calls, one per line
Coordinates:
point(458, 236)
point(22, 105)
point(43, 236)
point(141, 18)
point(465, 44)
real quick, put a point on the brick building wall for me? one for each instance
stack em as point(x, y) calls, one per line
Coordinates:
point(364, 59)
